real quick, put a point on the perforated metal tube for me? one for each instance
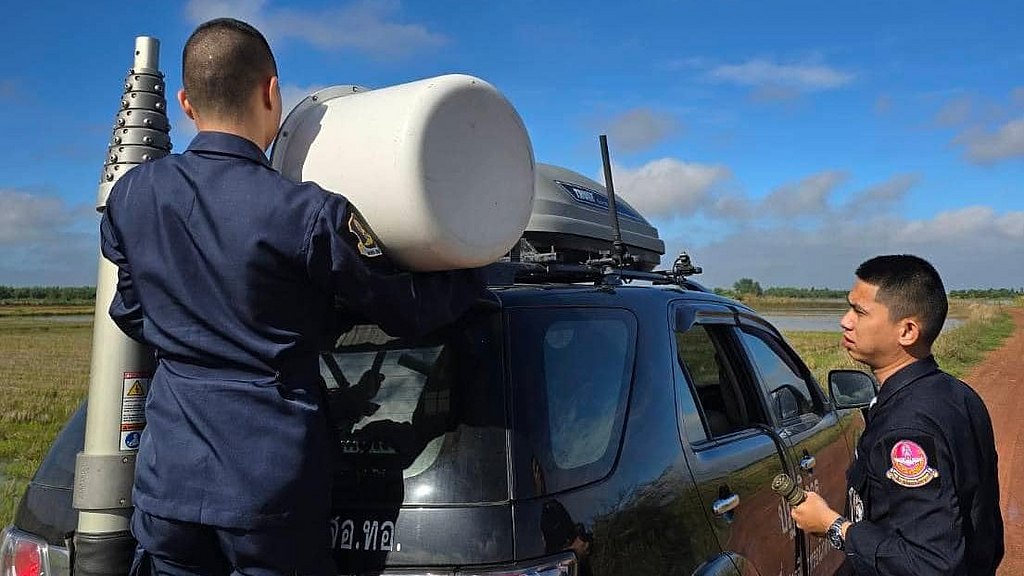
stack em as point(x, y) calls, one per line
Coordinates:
point(105, 468)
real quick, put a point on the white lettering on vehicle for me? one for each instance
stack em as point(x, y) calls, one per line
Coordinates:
point(376, 536)
point(821, 546)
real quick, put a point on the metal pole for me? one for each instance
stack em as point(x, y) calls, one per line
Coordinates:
point(121, 368)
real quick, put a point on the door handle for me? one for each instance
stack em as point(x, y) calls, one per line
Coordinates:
point(727, 504)
point(807, 463)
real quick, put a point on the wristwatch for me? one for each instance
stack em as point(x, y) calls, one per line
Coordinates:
point(834, 534)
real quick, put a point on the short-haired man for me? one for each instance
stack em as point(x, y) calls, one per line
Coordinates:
point(924, 491)
point(232, 273)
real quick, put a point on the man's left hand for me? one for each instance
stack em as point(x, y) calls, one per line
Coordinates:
point(814, 515)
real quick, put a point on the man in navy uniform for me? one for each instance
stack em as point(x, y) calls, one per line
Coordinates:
point(232, 273)
point(924, 488)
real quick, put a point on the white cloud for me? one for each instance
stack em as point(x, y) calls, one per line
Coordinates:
point(368, 26)
point(1006, 143)
point(883, 195)
point(807, 197)
point(762, 72)
point(971, 247)
point(775, 93)
point(955, 112)
point(668, 187)
point(641, 128)
point(45, 241)
point(27, 217)
point(969, 221)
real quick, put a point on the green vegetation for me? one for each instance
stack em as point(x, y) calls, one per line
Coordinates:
point(1007, 294)
point(806, 293)
point(44, 370)
point(747, 286)
point(984, 329)
point(36, 295)
point(746, 289)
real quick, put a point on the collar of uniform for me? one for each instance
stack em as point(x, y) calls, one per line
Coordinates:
point(906, 376)
point(224, 143)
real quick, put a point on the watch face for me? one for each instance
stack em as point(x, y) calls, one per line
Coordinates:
point(835, 538)
point(834, 534)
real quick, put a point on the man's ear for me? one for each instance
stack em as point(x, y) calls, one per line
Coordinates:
point(909, 332)
point(186, 106)
point(270, 93)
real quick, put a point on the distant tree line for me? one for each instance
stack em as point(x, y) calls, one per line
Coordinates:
point(745, 287)
point(47, 294)
point(988, 293)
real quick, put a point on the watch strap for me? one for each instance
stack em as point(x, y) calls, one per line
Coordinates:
point(834, 534)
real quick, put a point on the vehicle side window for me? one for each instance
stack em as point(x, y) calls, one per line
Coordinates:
point(572, 368)
point(780, 377)
point(725, 406)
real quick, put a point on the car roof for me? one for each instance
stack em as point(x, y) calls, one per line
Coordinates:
point(633, 295)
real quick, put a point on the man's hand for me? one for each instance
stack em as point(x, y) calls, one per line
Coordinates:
point(814, 515)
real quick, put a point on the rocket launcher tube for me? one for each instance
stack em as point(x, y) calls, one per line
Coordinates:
point(121, 368)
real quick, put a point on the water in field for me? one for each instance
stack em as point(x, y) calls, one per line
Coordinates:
point(822, 320)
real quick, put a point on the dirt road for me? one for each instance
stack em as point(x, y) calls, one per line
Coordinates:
point(1000, 381)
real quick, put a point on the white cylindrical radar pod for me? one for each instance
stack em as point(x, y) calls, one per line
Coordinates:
point(442, 169)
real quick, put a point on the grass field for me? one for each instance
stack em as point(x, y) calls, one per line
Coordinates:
point(985, 327)
point(44, 367)
point(44, 372)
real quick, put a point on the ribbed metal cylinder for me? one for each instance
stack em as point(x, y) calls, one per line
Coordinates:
point(141, 130)
point(121, 367)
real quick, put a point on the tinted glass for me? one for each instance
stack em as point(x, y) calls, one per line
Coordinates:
point(419, 421)
point(780, 377)
point(722, 403)
point(571, 370)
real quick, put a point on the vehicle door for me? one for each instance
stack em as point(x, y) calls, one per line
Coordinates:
point(732, 452)
point(804, 418)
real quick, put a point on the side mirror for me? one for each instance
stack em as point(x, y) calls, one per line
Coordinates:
point(851, 388)
point(785, 402)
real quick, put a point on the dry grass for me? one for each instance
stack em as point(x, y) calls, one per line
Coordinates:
point(8, 310)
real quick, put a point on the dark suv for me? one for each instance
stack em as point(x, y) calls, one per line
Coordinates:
point(584, 421)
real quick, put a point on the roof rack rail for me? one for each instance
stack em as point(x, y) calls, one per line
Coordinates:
point(601, 272)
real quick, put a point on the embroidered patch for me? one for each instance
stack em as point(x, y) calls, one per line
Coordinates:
point(910, 465)
point(368, 245)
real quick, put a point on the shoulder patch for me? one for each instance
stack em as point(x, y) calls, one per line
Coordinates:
point(367, 242)
point(910, 465)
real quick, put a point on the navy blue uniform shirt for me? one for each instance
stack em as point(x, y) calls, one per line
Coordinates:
point(232, 273)
point(924, 489)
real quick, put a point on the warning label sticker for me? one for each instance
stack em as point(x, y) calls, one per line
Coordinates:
point(134, 388)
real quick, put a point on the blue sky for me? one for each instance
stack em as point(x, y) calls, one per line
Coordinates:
point(783, 141)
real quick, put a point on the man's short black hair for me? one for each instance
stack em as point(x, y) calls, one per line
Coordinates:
point(224, 60)
point(910, 287)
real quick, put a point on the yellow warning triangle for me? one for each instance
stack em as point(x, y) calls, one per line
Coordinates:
point(137, 389)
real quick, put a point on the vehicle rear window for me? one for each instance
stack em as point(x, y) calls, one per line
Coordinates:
point(571, 369)
point(420, 421)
